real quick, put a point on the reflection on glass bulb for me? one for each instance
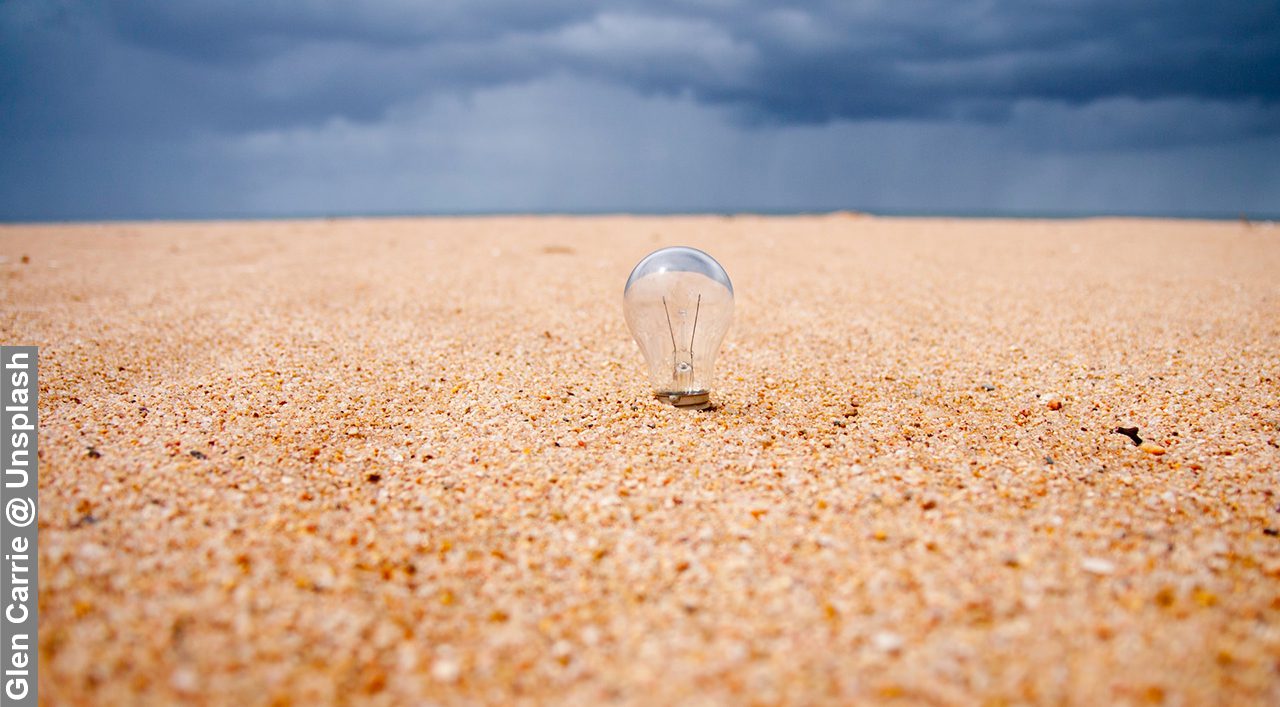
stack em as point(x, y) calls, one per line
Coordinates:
point(679, 305)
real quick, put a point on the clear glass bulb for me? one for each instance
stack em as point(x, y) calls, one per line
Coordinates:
point(679, 305)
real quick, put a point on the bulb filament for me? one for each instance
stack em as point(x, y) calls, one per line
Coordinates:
point(682, 361)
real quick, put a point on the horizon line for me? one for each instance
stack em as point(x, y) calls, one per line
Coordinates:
point(976, 214)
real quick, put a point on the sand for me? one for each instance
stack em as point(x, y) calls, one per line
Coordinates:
point(417, 461)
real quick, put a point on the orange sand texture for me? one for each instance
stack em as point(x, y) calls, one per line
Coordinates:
point(417, 461)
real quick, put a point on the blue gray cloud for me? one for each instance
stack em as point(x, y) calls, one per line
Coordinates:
point(178, 77)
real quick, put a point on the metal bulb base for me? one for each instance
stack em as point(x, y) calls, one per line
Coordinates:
point(686, 401)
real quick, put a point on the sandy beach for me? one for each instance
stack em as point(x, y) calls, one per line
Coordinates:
point(417, 461)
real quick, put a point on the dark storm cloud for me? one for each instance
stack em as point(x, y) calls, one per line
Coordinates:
point(238, 31)
point(181, 65)
point(954, 64)
point(114, 108)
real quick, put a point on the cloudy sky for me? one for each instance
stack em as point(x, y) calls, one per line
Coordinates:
point(227, 108)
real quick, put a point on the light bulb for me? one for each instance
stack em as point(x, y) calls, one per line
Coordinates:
point(679, 304)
